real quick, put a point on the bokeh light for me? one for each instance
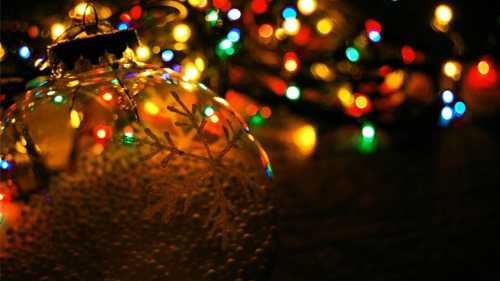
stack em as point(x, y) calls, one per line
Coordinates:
point(181, 33)
point(324, 26)
point(307, 7)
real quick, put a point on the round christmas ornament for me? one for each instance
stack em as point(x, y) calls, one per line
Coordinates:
point(112, 169)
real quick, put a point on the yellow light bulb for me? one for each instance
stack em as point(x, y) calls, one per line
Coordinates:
point(395, 79)
point(321, 71)
point(361, 102)
point(443, 14)
point(57, 30)
point(291, 26)
point(143, 53)
point(305, 139)
point(483, 67)
point(307, 7)
point(198, 3)
point(324, 26)
point(452, 69)
point(191, 72)
point(345, 96)
point(74, 119)
point(291, 65)
point(200, 63)
point(181, 33)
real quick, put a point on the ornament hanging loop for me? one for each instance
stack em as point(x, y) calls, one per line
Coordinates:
point(89, 26)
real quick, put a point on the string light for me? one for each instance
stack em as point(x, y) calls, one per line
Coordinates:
point(452, 69)
point(74, 119)
point(361, 102)
point(291, 26)
point(233, 14)
point(212, 17)
point(324, 26)
point(107, 97)
point(123, 26)
point(181, 33)
point(292, 93)
point(57, 30)
point(289, 12)
point(234, 35)
point(447, 113)
point(5, 165)
point(167, 55)
point(102, 133)
point(58, 99)
point(443, 14)
point(368, 131)
point(259, 6)
point(191, 72)
point(408, 54)
point(305, 138)
point(352, 54)
point(447, 96)
point(24, 52)
point(208, 111)
point(321, 71)
point(374, 36)
point(483, 67)
point(266, 31)
point(345, 96)
point(307, 7)
point(198, 3)
point(291, 62)
point(460, 108)
point(143, 53)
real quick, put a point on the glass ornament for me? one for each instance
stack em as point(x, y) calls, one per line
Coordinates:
point(112, 169)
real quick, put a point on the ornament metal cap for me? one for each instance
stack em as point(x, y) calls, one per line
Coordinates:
point(92, 47)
